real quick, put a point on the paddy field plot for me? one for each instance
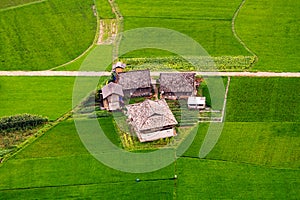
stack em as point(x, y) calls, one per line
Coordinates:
point(271, 30)
point(46, 96)
point(67, 170)
point(46, 34)
point(263, 100)
point(51, 168)
point(207, 22)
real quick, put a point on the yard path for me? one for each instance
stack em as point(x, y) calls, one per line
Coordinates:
point(102, 73)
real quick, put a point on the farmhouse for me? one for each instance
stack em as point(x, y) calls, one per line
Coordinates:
point(151, 120)
point(135, 83)
point(112, 96)
point(118, 67)
point(196, 102)
point(177, 85)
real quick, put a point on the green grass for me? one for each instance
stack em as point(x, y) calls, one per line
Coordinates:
point(12, 3)
point(46, 96)
point(271, 30)
point(51, 166)
point(104, 9)
point(205, 179)
point(266, 144)
point(263, 100)
point(44, 35)
point(208, 22)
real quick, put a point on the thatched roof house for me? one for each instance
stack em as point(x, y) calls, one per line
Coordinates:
point(152, 120)
point(118, 67)
point(112, 94)
point(135, 83)
point(177, 85)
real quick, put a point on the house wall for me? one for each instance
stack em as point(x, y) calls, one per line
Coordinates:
point(157, 129)
point(181, 95)
point(113, 102)
point(141, 92)
point(196, 106)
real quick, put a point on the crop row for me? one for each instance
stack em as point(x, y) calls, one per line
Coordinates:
point(202, 63)
point(20, 122)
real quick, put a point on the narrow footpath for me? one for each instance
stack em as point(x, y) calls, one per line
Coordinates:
point(103, 73)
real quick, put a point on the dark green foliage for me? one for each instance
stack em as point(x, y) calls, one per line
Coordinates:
point(20, 122)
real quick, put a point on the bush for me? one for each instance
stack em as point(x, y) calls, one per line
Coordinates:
point(222, 63)
point(100, 114)
point(20, 122)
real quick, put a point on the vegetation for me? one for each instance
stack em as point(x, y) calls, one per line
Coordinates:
point(67, 170)
point(57, 32)
point(209, 179)
point(257, 154)
point(12, 3)
point(263, 100)
point(47, 96)
point(222, 63)
point(104, 9)
point(272, 32)
point(67, 166)
point(265, 144)
point(208, 22)
point(21, 122)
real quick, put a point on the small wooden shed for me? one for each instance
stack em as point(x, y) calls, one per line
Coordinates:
point(196, 102)
point(112, 96)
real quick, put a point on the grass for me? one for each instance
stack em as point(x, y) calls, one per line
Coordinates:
point(54, 168)
point(104, 9)
point(265, 144)
point(44, 35)
point(12, 3)
point(51, 165)
point(208, 22)
point(206, 179)
point(46, 96)
point(272, 32)
point(263, 100)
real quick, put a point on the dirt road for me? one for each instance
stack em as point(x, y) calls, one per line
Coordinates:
point(101, 73)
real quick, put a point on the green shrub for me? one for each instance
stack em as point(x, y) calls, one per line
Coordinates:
point(20, 122)
point(100, 114)
point(222, 63)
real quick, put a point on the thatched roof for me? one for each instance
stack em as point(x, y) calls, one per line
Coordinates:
point(134, 79)
point(112, 88)
point(150, 115)
point(177, 82)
